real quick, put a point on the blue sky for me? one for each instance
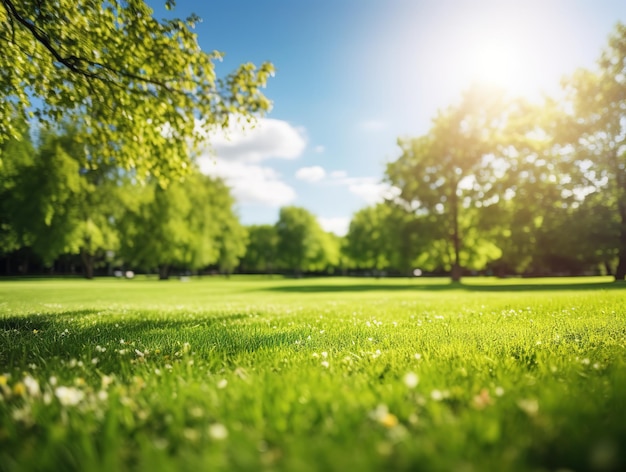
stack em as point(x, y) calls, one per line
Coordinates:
point(354, 75)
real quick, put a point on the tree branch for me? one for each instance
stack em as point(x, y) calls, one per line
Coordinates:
point(79, 65)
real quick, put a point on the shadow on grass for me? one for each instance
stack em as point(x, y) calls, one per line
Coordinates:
point(372, 287)
point(38, 337)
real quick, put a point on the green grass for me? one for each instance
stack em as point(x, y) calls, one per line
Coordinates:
point(313, 374)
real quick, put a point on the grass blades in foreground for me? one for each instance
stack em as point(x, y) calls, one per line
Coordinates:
point(312, 374)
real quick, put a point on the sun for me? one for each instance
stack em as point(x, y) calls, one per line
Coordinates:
point(496, 62)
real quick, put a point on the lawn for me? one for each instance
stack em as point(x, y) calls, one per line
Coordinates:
point(321, 374)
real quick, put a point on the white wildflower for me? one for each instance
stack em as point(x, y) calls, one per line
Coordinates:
point(411, 379)
point(218, 431)
point(69, 396)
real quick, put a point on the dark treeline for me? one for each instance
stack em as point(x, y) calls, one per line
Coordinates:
point(497, 185)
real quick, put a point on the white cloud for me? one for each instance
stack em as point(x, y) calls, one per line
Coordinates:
point(266, 139)
point(338, 174)
point(319, 149)
point(235, 155)
point(371, 192)
point(250, 183)
point(338, 225)
point(370, 189)
point(372, 125)
point(311, 174)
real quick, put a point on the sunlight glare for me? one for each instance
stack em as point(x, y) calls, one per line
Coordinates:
point(495, 63)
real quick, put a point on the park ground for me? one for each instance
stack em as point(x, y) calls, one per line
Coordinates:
point(253, 373)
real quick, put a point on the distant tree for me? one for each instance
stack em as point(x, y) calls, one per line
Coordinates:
point(261, 252)
point(142, 90)
point(445, 172)
point(594, 134)
point(367, 243)
point(188, 225)
point(302, 243)
point(231, 236)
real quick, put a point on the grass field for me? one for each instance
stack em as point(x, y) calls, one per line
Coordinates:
point(313, 374)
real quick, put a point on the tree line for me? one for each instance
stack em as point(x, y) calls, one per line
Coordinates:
point(121, 101)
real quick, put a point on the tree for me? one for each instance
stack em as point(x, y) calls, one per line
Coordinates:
point(63, 207)
point(231, 236)
point(143, 91)
point(595, 130)
point(262, 252)
point(302, 244)
point(188, 225)
point(443, 173)
point(366, 242)
point(21, 153)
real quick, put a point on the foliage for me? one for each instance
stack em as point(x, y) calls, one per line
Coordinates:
point(188, 225)
point(59, 207)
point(302, 244)
point(142, 89)
point(262, 250)
point(441, 174)
point(235, 375)
point(595, 129)
point(367, 245)
point(21, 153)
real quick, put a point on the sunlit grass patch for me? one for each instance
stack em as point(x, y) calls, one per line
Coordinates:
point(312, 374)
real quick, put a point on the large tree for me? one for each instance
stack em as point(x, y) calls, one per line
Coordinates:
point(596, 133)
point(444, 173)
point(142, 89)
point(13, 195)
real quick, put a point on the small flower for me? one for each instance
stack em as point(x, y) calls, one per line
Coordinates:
point(19, 389)
point(191, 434)
point(482, 400)
point(324, 355)
point(529, 406)
point(222, 384)
point(411, 379)
point(218, 431)
point(32, 386)
point(436, 395)
point(69, 396)
point(381, 414)
point(325, 364)
point(106, 381)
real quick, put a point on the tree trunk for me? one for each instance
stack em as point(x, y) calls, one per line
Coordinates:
point(455, 274)
point(164, 272)
point(620, 272)
point(88, 263)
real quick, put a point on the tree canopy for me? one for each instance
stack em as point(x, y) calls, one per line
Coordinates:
point(140, 90)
